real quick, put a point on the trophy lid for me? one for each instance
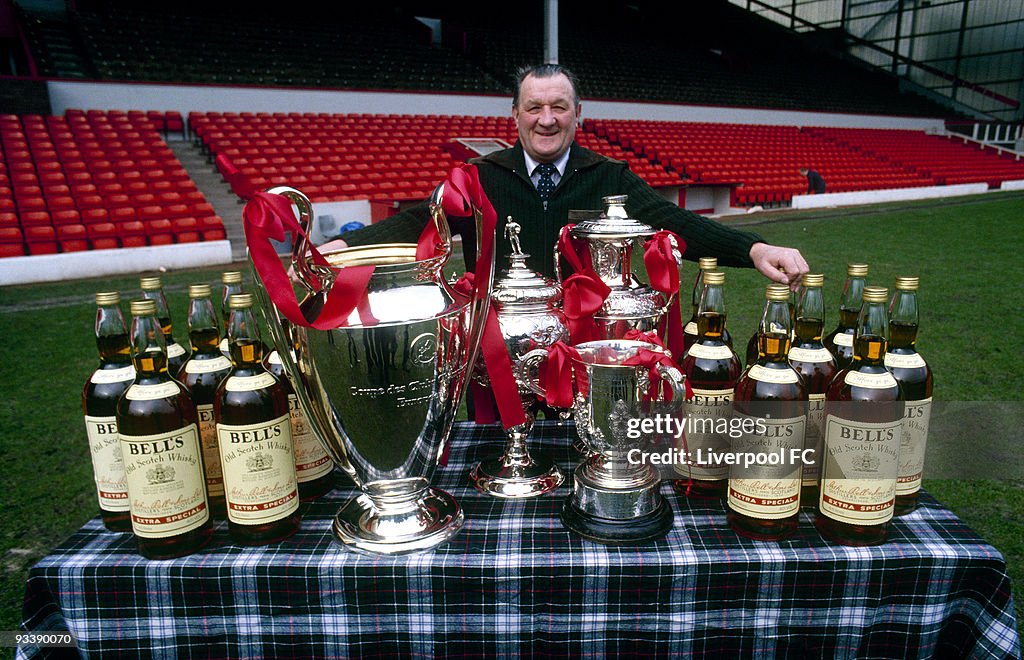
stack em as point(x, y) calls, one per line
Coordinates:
point(613, 223)
point(519, 285)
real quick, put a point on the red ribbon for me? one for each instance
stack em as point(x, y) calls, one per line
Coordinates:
point(267, 217)
point(557, 376)
point(574, 250)
point(663, 273)
point(646, 337)
point(583, 295)
point(645, 357)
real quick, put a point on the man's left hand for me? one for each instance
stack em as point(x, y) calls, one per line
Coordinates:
point(779, 264)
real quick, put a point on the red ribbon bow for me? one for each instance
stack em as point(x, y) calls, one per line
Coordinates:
point(558, 378)
point(663, 272)
point(645, 357)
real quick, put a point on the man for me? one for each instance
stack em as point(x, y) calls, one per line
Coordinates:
point(815, 182)
point(520, 183)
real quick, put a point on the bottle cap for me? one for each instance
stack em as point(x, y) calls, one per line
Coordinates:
point(108, 298)
point(199, 291)
point(777, 292)
point(714, 277)
point(708, 263)
point(813, 279)
point(150, 283)
point(231, 277)
point(875, 294)
point(907, 283)
point(857, 270)
point(143, 307)
point(240, 301)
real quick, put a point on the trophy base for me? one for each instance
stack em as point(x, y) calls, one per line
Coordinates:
point(495, 478)
point(609, 531)
point(616, 516)
point(435, 518)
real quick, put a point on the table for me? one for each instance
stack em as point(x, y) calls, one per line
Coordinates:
point(514, 582)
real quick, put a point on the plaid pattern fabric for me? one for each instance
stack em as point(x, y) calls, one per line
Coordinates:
point(515, 583)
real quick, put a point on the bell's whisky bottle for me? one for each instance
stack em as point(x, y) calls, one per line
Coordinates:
point(690, 332)
point(863, 425)
point(153, 289)
point(255, 437)
point(752, 343)
point(771, 404)
point(915, 378)
point(817, 366)
point(163, 458)
point(313, 466)
point(232, 281)
point(202, 375)
point(712, 369)
point(840, 341)
point(99, 403)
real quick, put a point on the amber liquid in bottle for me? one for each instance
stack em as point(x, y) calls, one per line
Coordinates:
point(99, 403)
point(254, 435)
point(202, 374)
point(863, 424)
point(764, 500)
point(177, 355)
point(690, 331)
point(712, 368)
point(160, 445)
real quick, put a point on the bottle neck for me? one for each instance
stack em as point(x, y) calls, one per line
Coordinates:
point(871, 336)
point(203, 330)
point(149, 348)
point(244, 344)
point(711, 314)
point(773, 333)
point(850, 302)
point(809, 325)
point(112, 339)
point(225, 312)
point(903, 320)
point(163, 313)
point(698, 289)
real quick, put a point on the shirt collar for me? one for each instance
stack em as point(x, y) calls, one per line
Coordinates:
point(559, 164)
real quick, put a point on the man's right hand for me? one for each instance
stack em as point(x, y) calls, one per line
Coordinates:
point(329, 246)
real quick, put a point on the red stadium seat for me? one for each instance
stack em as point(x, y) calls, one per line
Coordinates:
point(72, 238)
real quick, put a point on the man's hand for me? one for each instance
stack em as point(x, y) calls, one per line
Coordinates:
point(779, 264)
point(329, 246)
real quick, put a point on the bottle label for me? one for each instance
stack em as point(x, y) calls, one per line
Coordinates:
point(175, 350)
point(152, 392)
point(107, 464)
point(814, 438)
point(259, 471)
point(707, 437)
point(207, 366)
point(274, 358)
point(916, 416)
point(105, 376)
point(165, 482)
point(311, 459)
point(769, 486)
point(690, 329)
point(904, 361)
point(224, 348)
point(249, 383)
point(810, 355)
point(880, 381)
point(859, 470)
point(843, 339)
point(768, 375)
point(711, 352)
point(211, 454)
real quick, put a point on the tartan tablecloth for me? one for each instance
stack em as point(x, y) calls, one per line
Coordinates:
point(515, 583)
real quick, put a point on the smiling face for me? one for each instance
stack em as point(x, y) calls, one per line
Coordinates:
point(546, 116)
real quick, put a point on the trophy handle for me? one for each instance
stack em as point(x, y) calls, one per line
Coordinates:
point(527, 370)
point(558, 263)
point(675, 379)
point(301, 243)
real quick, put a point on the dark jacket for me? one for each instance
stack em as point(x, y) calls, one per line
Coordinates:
point(588, 177)
point(815, 183)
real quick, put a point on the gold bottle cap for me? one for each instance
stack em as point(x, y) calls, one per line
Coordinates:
point(708, 263)
point(143, 307)
point(108, 298)
point(199, 291)
point(907, 283)
point(150, 283)
point(857, 270)
point(875, 294)
point(231, 277)
point(240, 301)
point(813, 279)
point(714, 277)
point(777, 292)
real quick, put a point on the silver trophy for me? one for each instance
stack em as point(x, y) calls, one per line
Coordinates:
point(381, 391)
point(526, 307)
point(616, 496)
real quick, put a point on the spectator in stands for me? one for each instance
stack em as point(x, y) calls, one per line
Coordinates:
point(546, 174)
point(815, 182)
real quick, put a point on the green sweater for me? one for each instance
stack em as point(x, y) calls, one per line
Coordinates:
point(588, 177)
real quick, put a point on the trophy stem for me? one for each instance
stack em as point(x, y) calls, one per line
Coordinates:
point(515, 473)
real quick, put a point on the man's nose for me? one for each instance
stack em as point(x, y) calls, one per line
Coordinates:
point(547, 118)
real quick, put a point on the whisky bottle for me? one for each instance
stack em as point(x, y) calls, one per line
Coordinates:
point(840, 341)
point(863, 425)
point(690, 329)
point(817, 366)
point(313, 467)
point(752, 343)
point(232, 281)
point(202, 375)
point(255, 438)
point(152, 289)
point(915, 378)
point(163, 459)
point(99, 403)
point(711, 367)
point(771, 406)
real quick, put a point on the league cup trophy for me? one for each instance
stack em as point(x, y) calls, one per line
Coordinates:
point(381, 384)
point(525, 303)
point(616, 497)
